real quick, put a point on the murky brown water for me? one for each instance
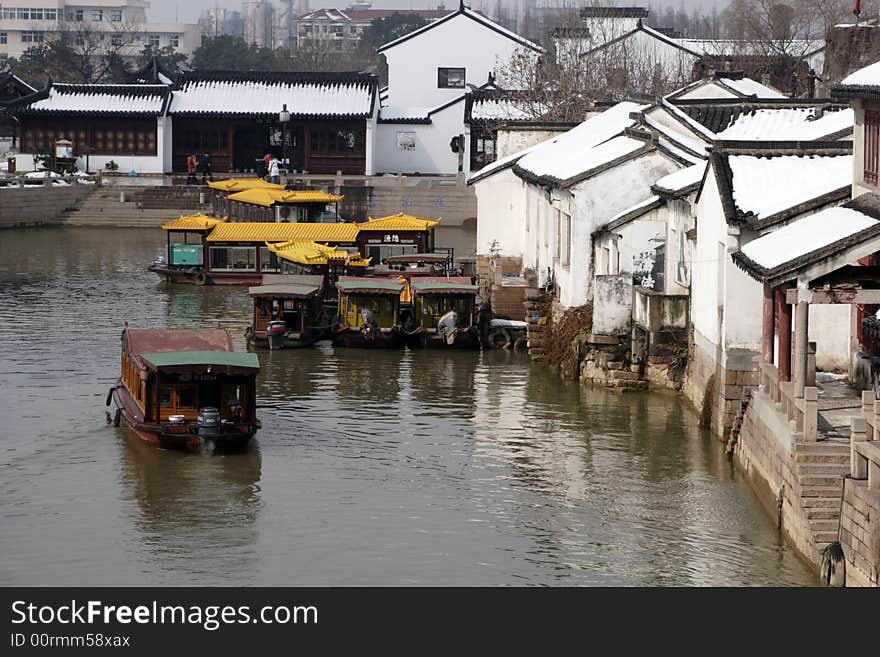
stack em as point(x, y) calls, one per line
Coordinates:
point(371, 467)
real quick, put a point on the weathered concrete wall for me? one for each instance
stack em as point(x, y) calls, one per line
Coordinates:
point(848, 48)
point(765, 452)
point(860, 534)
point(38, 205)
point(612, 306)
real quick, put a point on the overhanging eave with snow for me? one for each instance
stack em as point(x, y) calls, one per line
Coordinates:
point(815, 246)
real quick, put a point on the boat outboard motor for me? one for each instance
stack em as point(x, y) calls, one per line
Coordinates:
point(209, 422)
point(446, 326)
point(276, 334)
point(371, 326)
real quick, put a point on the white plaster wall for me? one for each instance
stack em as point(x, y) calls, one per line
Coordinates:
point(594, 202)
point(501, 213)
point(743, 306)
point(707, 91)
point(432, 154)
point(679, 249)
point(831, 328)
point(460, 42)
point(707, 276)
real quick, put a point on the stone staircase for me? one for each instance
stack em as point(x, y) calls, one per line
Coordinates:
point(142, 207)
point(820, 469)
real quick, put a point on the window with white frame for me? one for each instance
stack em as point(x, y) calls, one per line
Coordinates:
point(115, 15)
point(174, 41)
point(153, 41)
point(97, 15)
point(3, 37)
point(79, 15)
point(32, 37)
point(51, 14)
point(36, 14)
point(7, 14)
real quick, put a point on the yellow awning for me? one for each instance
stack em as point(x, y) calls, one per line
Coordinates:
point(270, 197)
point(312, 253)
point(241, 184)
point(194, 222)
point(400, 222)
point(268, 232)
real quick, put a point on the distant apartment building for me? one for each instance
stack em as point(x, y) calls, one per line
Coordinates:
point(341, 29)
point(218, 21)
point(26, 23)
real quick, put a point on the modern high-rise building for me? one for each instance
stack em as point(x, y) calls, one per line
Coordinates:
point(26, 23)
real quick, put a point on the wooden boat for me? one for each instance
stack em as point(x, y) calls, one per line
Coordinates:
point(179, 388)
point(288, 312)
point(368, 312)
point(414, 265)
point(443, 313)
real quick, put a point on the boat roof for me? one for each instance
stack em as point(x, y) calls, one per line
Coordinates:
point(453, 285)
point(242, 362)
point(270, 197)
point(193, 222)
point(283, 232)
point(363, 285)
point(153, 341)
point(312, 253)
point(400, 222)
point(287, 286)
point(241, 184)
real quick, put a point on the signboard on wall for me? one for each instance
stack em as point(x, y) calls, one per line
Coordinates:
point(406, 141)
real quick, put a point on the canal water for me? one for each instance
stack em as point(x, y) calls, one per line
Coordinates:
point(404, 468)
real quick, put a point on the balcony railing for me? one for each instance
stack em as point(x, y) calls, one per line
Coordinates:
point(865, 442)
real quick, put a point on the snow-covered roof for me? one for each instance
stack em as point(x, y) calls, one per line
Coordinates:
point(102, 99)
point(501, 164)
point(679, 137)
point(506, 109)
point(766, 186)
point(723, 86)
point(332, 95)
point(405, 114)
point(788, 124)
point(864, 77)
point(736, 47)
point(633, 212)
point(594, 143)
point(473, 15)
point(805, 236)
point(749, 87)
point(681, 181)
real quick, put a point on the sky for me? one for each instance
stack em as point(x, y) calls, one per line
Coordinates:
point(187, 11)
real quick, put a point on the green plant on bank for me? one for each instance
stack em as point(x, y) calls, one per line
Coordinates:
point(111, 166)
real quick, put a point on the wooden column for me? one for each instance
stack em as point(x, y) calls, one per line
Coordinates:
point(768, 326)
point(783, 316)
point(801, 337)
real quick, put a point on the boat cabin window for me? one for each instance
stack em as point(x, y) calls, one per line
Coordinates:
point(232, 398)
point(384, 308)
point(178, 399)
point(433, 307)
point(237, 258)
point(379, 253)
point(268, 260)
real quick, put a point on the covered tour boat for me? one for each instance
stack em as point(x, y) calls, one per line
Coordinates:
point(369, 310)
point(443, 313)
point(288, 312)
point(182, 387)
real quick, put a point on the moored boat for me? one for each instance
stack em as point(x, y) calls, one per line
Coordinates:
point(287, 312)
point(369, 310)
point(443, 312)
point(182, 387)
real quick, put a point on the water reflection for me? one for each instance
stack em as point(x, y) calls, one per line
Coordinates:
point(182, 498)
point(372, 467)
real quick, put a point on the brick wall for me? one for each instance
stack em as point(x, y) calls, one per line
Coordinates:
point(860, 533)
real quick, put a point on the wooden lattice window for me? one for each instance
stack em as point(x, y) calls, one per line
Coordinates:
point(872, 147)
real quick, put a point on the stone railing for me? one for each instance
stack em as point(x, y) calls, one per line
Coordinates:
point(802, 411)
point(865, 442)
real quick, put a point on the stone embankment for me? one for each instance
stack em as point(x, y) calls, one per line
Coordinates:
point(39, 205)
point(137, 207)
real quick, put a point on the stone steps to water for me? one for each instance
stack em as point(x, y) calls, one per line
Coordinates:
point(820, 468)
point(143, 207)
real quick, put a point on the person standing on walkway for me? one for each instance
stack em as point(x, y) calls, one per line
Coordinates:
point(207, 176)
point(274, 171)
point(191, 163)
